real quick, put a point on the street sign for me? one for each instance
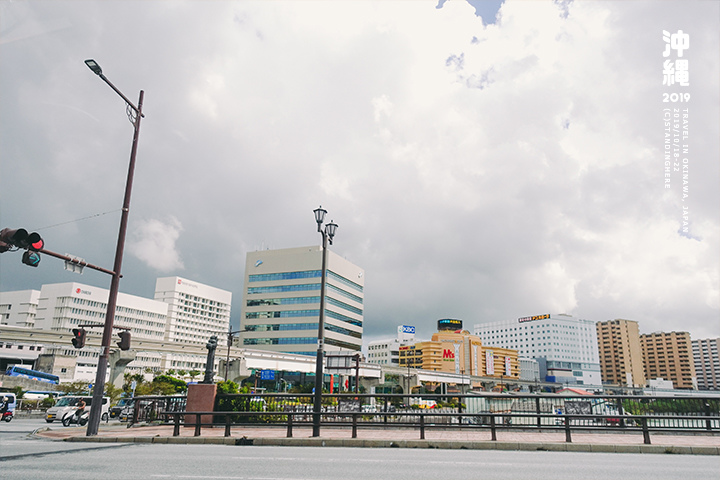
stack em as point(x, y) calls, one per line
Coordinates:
point(267, 374)
point(74, 265)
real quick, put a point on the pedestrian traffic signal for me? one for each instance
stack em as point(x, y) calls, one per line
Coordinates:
point(79, 337)
point(20, 238)
point(124, 342)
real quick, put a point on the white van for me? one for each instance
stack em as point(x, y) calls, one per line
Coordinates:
point(69, 402)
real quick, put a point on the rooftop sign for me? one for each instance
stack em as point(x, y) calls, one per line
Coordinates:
point(533, 318)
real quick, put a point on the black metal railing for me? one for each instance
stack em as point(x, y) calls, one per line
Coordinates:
point(492, 412)
point(155, 408)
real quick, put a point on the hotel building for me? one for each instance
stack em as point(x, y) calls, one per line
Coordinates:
point(565, 347)
point(281, 301)
point(195, 311)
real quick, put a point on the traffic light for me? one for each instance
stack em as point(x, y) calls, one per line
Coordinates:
point(79, 337)
point(124, 342)
point(31, 258)
point(20, 238)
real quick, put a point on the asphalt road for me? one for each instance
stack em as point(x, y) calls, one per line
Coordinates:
point(24, 458)
point(15, 439)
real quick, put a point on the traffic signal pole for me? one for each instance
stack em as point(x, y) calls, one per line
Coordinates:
point(81, 263)
point(99, 388)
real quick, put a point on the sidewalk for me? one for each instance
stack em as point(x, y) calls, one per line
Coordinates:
point(631, 442)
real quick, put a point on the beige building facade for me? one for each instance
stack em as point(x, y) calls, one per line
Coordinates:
point(458, 351)
point(621, 356)
point(668, 355)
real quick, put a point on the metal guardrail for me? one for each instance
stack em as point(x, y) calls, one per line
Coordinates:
point(491, 412)
point(152, 408)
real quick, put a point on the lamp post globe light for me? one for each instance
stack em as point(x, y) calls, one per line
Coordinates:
point(327, 237)
point(134, 114)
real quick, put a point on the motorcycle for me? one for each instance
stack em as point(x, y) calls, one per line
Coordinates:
point(72, 417)
point(7, 416)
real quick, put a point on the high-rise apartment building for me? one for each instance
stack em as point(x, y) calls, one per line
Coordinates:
point(621, 358)
point(707, 363)
point(281, 301)
point(565, 347)
point(669, 356)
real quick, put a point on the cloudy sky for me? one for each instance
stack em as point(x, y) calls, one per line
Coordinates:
point(483, 160)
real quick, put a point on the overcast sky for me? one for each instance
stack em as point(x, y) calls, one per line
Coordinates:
point(482, 163)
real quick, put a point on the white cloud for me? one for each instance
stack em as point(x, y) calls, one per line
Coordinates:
point(482, 172)
point(154, 242)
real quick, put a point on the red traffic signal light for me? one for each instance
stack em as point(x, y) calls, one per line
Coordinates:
point(79, 337)
point(20, 238)
point(124, 342)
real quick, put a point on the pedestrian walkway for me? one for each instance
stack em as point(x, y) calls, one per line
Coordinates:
point(630, 442)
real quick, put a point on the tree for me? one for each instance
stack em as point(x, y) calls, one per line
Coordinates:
point(113, 392)
point(175, 385)
point(193, 374)
point(73, 388)
point(227, 388)
point(47, 402)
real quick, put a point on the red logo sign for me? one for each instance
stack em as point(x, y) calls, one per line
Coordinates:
point(447, 353)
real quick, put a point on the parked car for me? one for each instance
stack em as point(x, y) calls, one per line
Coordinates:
point(117, 409)
point(126, 414)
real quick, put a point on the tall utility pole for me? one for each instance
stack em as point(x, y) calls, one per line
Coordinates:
point(134, 115)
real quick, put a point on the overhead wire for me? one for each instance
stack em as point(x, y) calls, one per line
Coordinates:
point(79, 219)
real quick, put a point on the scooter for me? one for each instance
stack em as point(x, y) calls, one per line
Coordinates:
point(72, 417)
point(7, 416)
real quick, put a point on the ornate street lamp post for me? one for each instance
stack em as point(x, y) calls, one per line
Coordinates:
point(327, 237)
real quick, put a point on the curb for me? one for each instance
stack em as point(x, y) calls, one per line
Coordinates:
point(434, 444)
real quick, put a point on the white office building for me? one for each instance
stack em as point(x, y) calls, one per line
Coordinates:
point(19, 308)
point(64, 306)
point(281, 301)
point(387, 352)
point(565, 347)
point(183, 311)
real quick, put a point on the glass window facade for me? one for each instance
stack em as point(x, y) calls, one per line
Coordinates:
point(283, 284)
